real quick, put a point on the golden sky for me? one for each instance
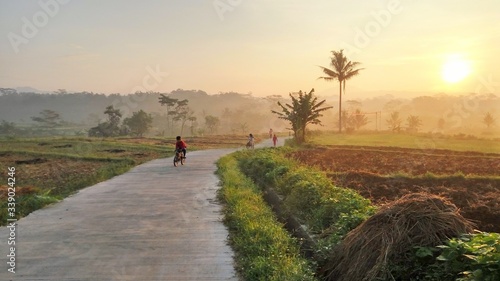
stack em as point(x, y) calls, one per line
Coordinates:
point(263, 47)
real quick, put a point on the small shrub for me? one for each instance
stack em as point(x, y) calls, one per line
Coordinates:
point(303, 200)
point(285, 185)
point(25, 204)
point(29, 203)
point(276, 173)
point(469, 257)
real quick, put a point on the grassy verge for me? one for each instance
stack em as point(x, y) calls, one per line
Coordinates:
point(265, 251)
point(328, 212)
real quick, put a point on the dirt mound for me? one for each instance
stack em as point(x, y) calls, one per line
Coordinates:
point(477, 198)
point(418, 219)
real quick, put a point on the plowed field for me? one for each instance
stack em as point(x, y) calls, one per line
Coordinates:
point(470, 180)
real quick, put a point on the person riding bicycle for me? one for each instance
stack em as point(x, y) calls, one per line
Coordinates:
point(181, 145)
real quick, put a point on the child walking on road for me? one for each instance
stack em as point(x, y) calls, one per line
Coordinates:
point(250, 143)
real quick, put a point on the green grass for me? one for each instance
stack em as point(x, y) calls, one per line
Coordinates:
point(264, 249)
point(420, 141)
point(80, 147)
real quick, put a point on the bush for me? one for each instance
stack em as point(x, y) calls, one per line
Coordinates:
point(303, 201)
point(469, 257)
point(329, 212)
point(27, 201)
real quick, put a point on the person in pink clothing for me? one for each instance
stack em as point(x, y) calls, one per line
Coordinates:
point(275, 140)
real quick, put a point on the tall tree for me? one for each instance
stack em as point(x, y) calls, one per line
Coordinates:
point(114, 115)
point(48, 118)
point(414, 123)
point(192, 119)
point(169, 103)
point(8, 128)
point(243, 127)
point(139, 123)
point(212, 123)
point(488, 120)
point(342, 70)
point(182, 113)
point(304, 109)
point(109, 128)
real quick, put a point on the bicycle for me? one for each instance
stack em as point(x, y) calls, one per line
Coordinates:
point(179, 157)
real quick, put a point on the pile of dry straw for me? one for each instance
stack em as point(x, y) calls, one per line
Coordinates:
point(387, 237)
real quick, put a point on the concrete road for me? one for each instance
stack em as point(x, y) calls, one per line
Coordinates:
point(155, 222)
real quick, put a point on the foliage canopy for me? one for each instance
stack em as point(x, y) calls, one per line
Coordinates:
point(303, 110)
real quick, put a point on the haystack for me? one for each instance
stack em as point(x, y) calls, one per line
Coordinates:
point(418, 219)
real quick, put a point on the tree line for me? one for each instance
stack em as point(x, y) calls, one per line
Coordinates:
point(195, 112)
point(185, 112)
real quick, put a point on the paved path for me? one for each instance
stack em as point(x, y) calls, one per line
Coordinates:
point(155, 222)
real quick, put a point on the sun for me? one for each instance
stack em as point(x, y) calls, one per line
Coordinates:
point(455, 69)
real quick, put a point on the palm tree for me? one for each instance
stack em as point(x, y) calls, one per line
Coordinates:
point(414, 123)
point(342, 70)
point(394, 122)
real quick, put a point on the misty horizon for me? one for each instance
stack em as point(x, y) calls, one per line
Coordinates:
point(238, 112)
point(263, 48)
point(353, 93)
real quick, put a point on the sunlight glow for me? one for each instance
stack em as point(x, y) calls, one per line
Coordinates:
point(455, 69)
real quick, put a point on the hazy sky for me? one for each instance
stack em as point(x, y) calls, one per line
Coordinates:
point(259, 46)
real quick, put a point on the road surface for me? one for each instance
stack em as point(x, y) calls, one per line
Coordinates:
point(155, 222)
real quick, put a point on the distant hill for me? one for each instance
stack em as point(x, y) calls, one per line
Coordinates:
point(244, 113)
point(30, 90)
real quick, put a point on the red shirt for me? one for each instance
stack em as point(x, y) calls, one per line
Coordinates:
point(180, 145)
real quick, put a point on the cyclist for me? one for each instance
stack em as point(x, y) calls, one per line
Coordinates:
point(180, 145)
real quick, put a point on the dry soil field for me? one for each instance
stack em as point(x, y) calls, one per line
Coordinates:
point(470, 180)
